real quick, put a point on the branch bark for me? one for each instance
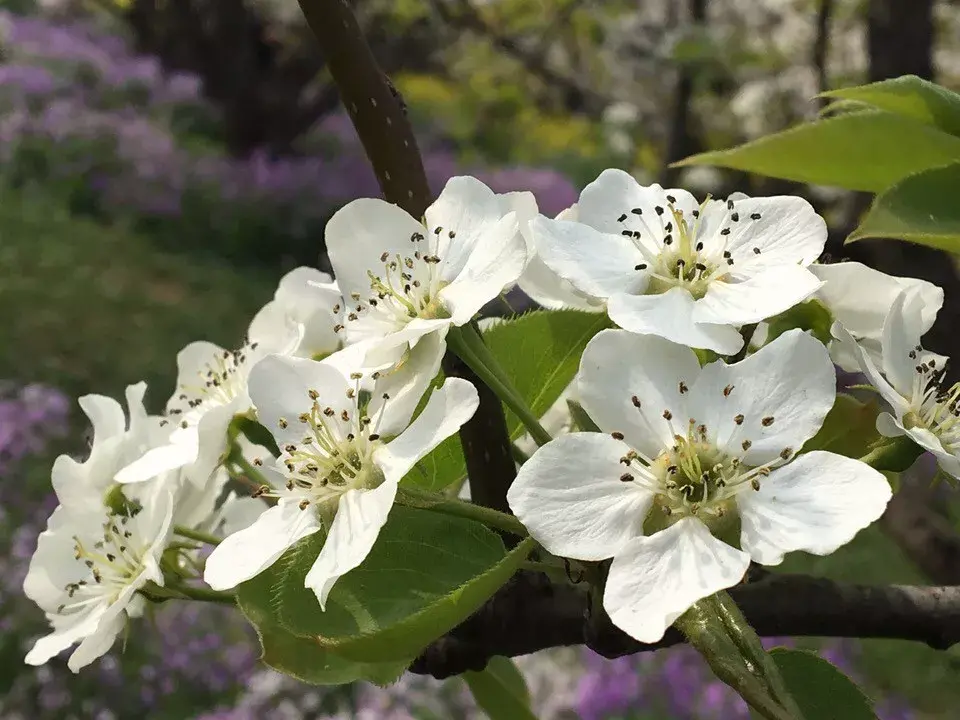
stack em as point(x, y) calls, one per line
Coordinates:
point(821, 45)
point(530, 614)
point(379, 116)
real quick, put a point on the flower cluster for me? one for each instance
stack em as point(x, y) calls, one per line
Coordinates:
point(695, 415)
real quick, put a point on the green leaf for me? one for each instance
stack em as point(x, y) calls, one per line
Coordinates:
point(811, 315)
point(443, 467)
point(820, 689)
point(540, 352)
point(500, 690)
point(426, 573)
point(849, 429)
point(921, 208)
point(867, 150)
point(909, 96)
point(254, 432)
point(304, 658)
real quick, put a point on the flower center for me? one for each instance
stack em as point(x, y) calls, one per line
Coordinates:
point(408, 285)
point(335, 453)
point(675, 251)
point(932, 407)
point(220, 380)
point(111, 562)
point(693, 477)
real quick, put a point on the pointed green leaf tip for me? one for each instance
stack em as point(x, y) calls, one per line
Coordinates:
point(908, 96)
point(921, 208)
point(868, 150)
point(820, 689)
point(500, 690)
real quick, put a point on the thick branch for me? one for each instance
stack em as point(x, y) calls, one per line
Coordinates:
point(821, 45)
point(379, 115)
point(530, 614)
point(926, 537)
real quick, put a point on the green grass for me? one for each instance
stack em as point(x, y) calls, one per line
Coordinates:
point(89, 308)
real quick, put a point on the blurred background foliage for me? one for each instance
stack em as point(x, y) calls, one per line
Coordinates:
point(163, 162)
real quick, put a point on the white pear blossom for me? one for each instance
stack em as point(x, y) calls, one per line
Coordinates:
point(690, 272)
point(211, 390)
point(343, 456)
point(860, 299)
point(116, 443)
point(403, 280)
point(86, 571)
point(548, 289)
point(312, 299)
point(909, 378)
point(691, 450)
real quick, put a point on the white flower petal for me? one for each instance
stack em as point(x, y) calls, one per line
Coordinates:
point(901, 336)
point(469, 209)
point(671, 315)
point(617, 366)
point(406, 384)
point(360, 515)
point(99, 642)
point(571, 499)
point(817, 503)
point(64, 635)
point(598, 264)
point(247, 553)
point(447, 410)
point(654, 580)
point(756, 298)
point(279, 388)
point(788, 232)
point(867, 366)
point(359, 233)
point(616, 192)
point(105, 415)
point(783, 392)
point(161, 459)
point(496, 262)
point(860, 297)
point(193, 363)
point(240, 512)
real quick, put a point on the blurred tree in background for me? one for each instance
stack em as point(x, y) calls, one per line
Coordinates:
point(162, 162)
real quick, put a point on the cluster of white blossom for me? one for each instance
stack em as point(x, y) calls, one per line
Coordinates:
point(698, 467)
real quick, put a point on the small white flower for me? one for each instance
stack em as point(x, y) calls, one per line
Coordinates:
point(116, 443)
point(692, 273)
point(909, 377)
point(87, 570)
point(403, 280)
point(312, 299)
point(548, 289)
point(342, 459)
point(211, 390)
point(690, 451)
point(860, 298)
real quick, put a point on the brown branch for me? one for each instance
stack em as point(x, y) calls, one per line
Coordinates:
point(682, 142)
point(820, 47)
point(925, 536)
point(530, 614)
point(379, 115)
